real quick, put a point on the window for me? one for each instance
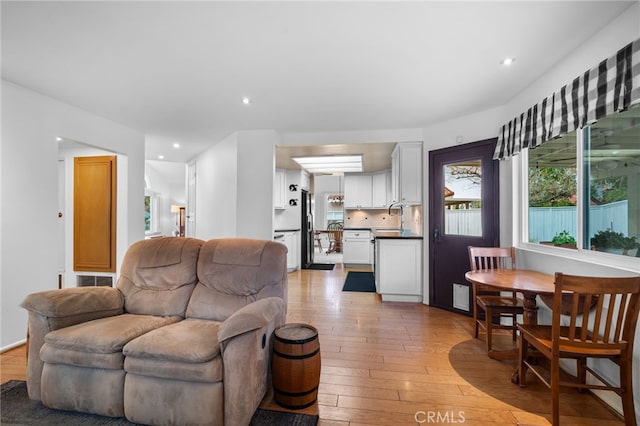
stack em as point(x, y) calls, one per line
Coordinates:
point(335, 209)
point(612, 184)
point(463, 198)
point(587, 195)
point(553, 193)
point(151, 201)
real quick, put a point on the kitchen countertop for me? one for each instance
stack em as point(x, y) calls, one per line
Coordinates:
point(388, 233)
point(395, 234)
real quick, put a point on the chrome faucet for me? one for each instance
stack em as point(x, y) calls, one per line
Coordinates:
point(401, 213)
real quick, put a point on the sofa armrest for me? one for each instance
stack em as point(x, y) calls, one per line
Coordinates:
point(70, 302)
point(55, 309)
point(251, 317)
point(246, 343)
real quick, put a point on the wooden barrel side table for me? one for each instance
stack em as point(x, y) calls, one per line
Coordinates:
point(296, 365)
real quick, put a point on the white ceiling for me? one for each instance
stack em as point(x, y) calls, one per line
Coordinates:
point(177, 71)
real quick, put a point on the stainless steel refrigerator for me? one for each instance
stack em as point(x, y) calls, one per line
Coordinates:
point(307, 233)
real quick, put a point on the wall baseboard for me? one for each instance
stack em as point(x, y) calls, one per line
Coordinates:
point(13, 345)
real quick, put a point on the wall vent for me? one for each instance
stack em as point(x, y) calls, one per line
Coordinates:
point(461, 297)
point(94, 281)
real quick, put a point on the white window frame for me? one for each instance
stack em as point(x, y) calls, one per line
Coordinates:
point(520, 193)
point(155, 212)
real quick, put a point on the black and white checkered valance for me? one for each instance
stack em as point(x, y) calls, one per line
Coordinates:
point(611, 86)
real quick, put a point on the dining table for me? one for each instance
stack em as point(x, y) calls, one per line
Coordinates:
point(529, 283)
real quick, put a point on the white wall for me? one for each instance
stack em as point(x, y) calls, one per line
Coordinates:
point(216, 190)
point(256, 166)
point(234, 190)
point(30, 124)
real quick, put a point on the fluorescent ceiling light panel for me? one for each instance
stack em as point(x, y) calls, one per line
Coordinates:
point(330, 163)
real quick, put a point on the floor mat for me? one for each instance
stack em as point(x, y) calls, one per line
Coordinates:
point(360, 281)
point(321, 266)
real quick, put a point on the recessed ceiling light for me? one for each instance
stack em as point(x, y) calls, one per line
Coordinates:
point(176, 145)
point(507, 61)
point(59, 139)
point(246, 101)
point(161, 157)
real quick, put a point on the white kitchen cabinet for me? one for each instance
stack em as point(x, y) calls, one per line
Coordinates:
point(367, 190)
point(358, 191)
point(292, 241)
point(356, 247)
point(381, 189)
point(406, 173)
point(280, 189)
point(398, 269)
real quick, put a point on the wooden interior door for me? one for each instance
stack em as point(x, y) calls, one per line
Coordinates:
point(94, 214)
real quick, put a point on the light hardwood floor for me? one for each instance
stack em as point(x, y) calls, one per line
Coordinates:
point(384, 362)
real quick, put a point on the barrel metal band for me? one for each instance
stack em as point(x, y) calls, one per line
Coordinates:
point(313, 389)
point(287, 356)
point(296, 341)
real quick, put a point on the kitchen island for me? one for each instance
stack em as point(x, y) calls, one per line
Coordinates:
point(398, 265)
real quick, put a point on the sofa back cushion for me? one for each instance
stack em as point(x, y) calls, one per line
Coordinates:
point(158, 275)
point(233, 272)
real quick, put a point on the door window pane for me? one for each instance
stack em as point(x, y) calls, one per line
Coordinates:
point(552, 192)
point(463, 198)
point(612, 168)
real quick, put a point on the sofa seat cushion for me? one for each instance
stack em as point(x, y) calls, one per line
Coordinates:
point(188, 350)
point(98, 343)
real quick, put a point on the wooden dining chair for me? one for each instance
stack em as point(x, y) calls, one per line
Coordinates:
point(335, 237)
point(317, 238)
point(606, 331)
point(493, 305)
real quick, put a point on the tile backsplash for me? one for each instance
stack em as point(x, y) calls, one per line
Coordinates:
point(371, 219)
point(380, 219)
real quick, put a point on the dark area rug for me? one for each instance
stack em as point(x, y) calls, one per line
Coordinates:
point(321, 266)
point(360, 281)
point(18, 409)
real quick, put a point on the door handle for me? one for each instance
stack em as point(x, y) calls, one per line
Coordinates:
point(436, 234)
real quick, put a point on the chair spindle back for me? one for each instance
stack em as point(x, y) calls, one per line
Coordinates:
point(612, 321)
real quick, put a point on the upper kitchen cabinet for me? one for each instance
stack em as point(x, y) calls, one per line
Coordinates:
point(381, 193)
point(367, 190)
point(280, 189)
point(358, 191)
point(406, 173)
point(286, 184)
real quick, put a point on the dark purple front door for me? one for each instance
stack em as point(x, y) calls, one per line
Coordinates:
point(463, 211)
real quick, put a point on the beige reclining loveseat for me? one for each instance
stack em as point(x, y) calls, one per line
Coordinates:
point(184, 338)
